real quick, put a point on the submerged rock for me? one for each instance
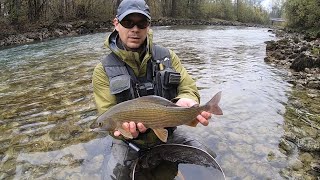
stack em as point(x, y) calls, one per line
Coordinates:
point(306, 157)
point(287, 146)
point(65, 131)
point(295, 164)
point(308, 144)
point(315, 167)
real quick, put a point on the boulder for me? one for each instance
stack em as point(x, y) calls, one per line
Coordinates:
point(303, 61)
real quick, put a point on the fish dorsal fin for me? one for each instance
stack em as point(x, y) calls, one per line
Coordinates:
point(162, 134)
point(125, 133)
point(157, 100)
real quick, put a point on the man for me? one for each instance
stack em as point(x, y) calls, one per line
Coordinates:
point(133, 56)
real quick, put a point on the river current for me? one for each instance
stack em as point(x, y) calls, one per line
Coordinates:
point(47, 105)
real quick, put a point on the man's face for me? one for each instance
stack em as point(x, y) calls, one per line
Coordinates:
point(132, 30)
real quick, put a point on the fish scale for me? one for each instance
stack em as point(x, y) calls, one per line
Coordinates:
point(155, 120)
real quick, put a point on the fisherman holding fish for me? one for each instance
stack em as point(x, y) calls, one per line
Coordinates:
point(124, 85)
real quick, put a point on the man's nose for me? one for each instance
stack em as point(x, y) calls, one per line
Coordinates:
point(135, 28)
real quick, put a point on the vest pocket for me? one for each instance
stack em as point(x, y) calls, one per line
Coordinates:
point(121, 87)
point(120, 83)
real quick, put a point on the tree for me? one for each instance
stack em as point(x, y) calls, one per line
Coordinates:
point(64, 10)
point(14, 11)
point(303, 14)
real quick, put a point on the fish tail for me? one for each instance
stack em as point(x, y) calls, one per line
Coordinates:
point(212, 106)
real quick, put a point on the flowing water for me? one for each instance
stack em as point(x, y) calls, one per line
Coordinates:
point(46, 105)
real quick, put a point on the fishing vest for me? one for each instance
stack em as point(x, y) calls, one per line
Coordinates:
point(161, 79)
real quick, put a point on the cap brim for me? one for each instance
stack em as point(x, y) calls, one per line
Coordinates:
point(132, 11)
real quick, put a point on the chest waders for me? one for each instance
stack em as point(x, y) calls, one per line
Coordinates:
point(161, 79)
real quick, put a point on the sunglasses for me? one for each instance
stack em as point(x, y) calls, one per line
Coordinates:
point(130, 24)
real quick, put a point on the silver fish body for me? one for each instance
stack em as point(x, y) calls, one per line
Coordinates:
point(153, 112)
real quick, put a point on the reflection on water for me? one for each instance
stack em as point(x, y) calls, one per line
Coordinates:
point(46, 104)
point(179, 172)
point(198, 172)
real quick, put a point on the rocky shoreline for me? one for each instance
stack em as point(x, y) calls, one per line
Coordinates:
point(44, 32)
point(298, 53)
point(38, 33)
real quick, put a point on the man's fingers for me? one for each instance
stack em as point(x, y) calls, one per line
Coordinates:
point(202, 120)
point(206, 115)
point(141, 127)
point(133, 127)
point(116, 133)
point(126, 126)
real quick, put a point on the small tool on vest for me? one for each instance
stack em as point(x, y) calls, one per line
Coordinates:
point(161, 67)
point(131, 145)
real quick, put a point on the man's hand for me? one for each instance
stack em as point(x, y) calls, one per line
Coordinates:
point(133, 128)
point(202, 118)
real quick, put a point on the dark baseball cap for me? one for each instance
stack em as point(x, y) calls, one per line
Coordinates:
point(127, 7)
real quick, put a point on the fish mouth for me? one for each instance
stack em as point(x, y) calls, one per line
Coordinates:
point(97, 130)
point(94, 125)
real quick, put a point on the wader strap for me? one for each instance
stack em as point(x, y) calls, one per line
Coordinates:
point(159, 53)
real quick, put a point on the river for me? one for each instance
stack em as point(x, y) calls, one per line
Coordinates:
point(47, 105)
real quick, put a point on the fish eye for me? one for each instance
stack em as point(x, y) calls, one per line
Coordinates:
point(100, 124)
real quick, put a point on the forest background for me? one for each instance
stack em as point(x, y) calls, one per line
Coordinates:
point(21, 15)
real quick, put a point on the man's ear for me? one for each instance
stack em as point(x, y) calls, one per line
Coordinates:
point(115, 23)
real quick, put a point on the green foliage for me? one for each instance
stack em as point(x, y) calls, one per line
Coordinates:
point(222, 9)
point(241, 10)
point(303, 14)
point(315, 51)
point(251, 13)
